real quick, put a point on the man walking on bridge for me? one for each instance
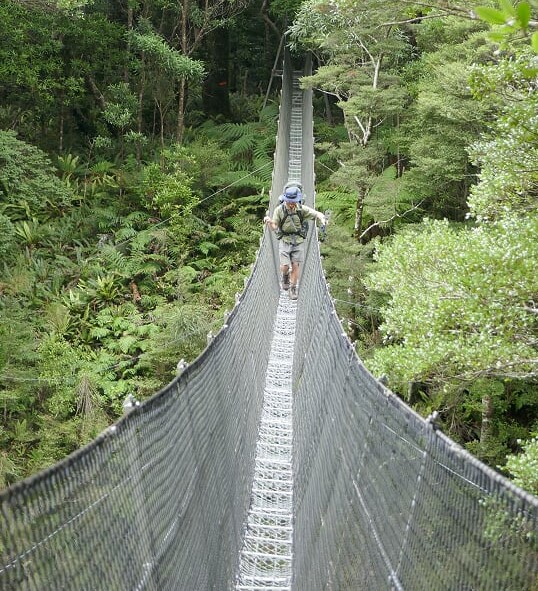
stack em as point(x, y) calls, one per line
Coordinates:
point(289, 223)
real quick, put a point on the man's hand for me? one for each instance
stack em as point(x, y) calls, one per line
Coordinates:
point(269, 222)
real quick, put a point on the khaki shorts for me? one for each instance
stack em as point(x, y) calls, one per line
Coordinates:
point(290, 253)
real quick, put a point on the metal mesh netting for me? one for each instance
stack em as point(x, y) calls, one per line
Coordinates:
point(158, 501)
point(381, 498)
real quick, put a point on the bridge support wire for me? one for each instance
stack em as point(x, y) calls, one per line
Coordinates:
point(266, 557)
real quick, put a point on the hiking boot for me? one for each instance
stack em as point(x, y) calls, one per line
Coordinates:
point(285, 281)
point(293, 292)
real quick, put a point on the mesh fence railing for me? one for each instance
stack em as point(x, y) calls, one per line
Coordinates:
point(383, 500)
point(158, 501)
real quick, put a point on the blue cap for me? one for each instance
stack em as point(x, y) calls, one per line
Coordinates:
point(292, 195)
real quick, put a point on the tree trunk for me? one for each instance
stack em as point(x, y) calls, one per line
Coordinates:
point(130, 19)
point(61, 130)
point(96, 92)
point(181, 111)
point(328, 111)
point(487, 425)
point(358, 212)
point(184, 43)
point(139, 116)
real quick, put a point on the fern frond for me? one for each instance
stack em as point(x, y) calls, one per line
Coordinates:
point(244, 144)
point(127, 344)
point(113, 257)
point(160, 235)
point(206, 247)
point(264, 168)
point(239, 179)
point(99, 332)
point(262, 153)
point(136, 217)
point(140, 241)
point(201, 264)
point(341, 202)
point(231, 240)
point(152, 301)
point(269, 114)
point(102, 167)
point(105, 218)
point(234, 131)
point(125, 234)
point(217, 278)
point(242, 166)
point(250, 201)
point(236, 222)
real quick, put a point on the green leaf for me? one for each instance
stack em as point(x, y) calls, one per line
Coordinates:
point(507, 7)
point(491, 15)
point(206, 247)
point(98, 332)
point(524, 14)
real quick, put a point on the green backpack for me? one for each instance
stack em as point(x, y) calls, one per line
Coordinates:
point(301, 231)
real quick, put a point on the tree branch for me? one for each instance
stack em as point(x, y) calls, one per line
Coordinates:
point(397, 215)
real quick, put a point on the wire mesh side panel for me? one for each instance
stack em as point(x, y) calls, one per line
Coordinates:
point(158, 501)
point(383, 500)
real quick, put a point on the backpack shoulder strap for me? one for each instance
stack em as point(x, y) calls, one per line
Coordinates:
point(298, 212)
point(284, 215)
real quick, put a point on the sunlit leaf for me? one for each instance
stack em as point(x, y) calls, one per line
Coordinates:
point(524, 14)
point(491, 15)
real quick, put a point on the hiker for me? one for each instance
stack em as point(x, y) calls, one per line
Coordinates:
point(289, 221)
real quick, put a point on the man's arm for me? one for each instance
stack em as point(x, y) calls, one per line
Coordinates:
point(314, 214)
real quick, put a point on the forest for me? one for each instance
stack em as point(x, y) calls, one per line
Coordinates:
point(136, 147)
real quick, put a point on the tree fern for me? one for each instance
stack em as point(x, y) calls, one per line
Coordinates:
point(151, 300)
point(106, 219)
point(270, 112)
point(10, 471)
point(230, 240)
point(236, 222)
point(243, 146)
point(99, 332)
point(230, 132)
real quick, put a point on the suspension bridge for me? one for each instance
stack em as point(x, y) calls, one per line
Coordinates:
point(274, 461)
